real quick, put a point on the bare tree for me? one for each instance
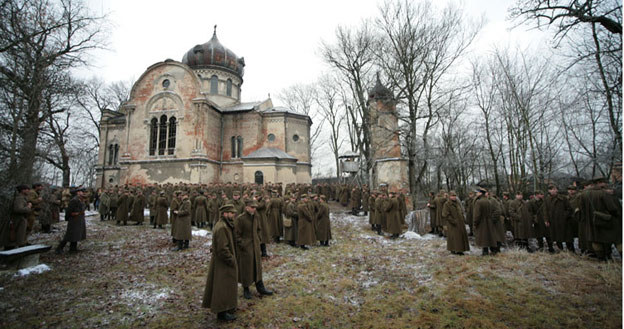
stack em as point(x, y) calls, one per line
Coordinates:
point(329, 101)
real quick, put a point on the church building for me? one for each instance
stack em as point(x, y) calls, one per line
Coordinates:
point(185, 122)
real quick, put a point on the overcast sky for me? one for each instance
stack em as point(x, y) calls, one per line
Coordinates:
point(279, 39)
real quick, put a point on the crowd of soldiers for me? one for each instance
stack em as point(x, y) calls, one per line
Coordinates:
point(591, 215)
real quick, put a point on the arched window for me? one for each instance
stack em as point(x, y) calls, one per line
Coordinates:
point(162, 135)
point(172, 136)
point(214, 84)
point(229, 87)
point(153, 136)
point(111, 152)
point(233, 147)
point(239, 147)
point(259, 177)
point(116, 153)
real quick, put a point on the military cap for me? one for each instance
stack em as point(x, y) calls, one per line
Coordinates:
point(22, 187)
point(539, 192)
point(598, 180)
point(251, 203)
point(453, 193)
point(227, 208)
point(442, 191)
point(571, 187)
point(236, 193)
point(552, 186)
point(481, 189)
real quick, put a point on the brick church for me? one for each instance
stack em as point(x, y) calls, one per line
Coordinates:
point(185, 122)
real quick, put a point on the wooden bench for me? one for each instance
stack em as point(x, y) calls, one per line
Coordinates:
point(23, 257)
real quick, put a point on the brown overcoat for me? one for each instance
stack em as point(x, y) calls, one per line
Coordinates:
point(456, 235)
point(182, 222)
point(247, 234)
point(221, 292)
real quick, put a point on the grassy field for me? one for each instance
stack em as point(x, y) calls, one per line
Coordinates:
point(127, 277)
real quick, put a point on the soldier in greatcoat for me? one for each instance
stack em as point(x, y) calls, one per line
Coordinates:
point(540, 226)
point(433, 219)
point(521, 221)
point(201, 209)
point(439, 203)
point(114, 199)
point(162, 204)
point(453, 214)
point(247, 231)
point(323, 225)
point(392, 214)
point(122, 208)
point(13, 230)
point(221, 292)
point(558, 212)
point(182, 232)
point(485, 229)
point(356, 200)
point(274, 217)
point(305, 213)
point(290, 211)
point(138, 207)
point(152, 205)
point(104, 204)
point(76, 225)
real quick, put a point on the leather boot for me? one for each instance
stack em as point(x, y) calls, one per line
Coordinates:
point(262, 290)
point(226, 316)
point(186, 244)
point(246, 293)
point(485, 252)
point(263, 250)
point(180, 246)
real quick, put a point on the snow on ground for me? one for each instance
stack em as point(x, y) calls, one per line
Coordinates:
point(409, 235)
point(201, 233)
point(33, 270)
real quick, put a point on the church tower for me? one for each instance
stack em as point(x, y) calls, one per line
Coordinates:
point(388, 165)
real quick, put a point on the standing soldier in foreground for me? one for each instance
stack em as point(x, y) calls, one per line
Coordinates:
point(247, 234)
point(13, 230)
point(76, 226)
point(323, 226)
point(221, 292)
point(104, 205)
point(182, 232)
point(456, 237)
point(485, 230)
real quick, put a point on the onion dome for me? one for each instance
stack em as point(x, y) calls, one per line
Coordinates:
point(213, 54)
point(380, 91)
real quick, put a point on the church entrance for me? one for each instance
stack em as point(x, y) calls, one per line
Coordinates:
point(259, 177)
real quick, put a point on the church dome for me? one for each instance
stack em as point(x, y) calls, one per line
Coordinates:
point(380, 91)
point(214, 54)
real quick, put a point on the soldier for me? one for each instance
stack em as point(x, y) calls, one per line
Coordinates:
point(382, 198)
point(114, 199)
point(365, 199)
point(182, 232)
point(138, 206)
point(541, 227)
point(558, 212)
point(469, 206)
point(201, 210)
point(152, 205)
point(356, 200)
point(213, 210)
point(290, 223)
point(45, 215)
point(274, 217)
point(521, 221)
point(221, 292)
point(14, 229)
point(323, 226)
point(392, 213)
point(601, 218)
point(486, 236)
point(104, 204)
point(305, 213)
point(122, 207)
point(439, 203)
point(161, 215)
point(37, 203)
point(76, 226)
point(372, 216)
point(247, 233)
point(457, 237)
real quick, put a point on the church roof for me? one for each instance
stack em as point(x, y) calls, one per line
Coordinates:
point(280, 109)
point(269, 153)
point(214, 54)
point(241, 107)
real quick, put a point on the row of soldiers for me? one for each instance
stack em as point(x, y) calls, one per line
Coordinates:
point(553, 218)
point(296, 217)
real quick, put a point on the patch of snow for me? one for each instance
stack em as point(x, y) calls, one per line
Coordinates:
point(91, 213)
point(35, 269)
point(409, 235)
point(369, 284)
point(201, 232)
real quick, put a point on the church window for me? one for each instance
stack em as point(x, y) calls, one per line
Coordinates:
point(153, 136)
point(229, 87)
point(295, 137)
point(111, 151)
point(271, 137)
point(116, 154)
point(165, 83)
point(172, 136)
point(239, 150)
point(162, 135)
point(233, 147)
point(214, 84)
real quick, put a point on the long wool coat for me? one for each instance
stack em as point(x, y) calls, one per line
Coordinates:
point(161, 211)
point(305, 234)
point(138, 205)
point(486, 235)
point(122, 208)
point(290, 211)
point(247, 232)
point(201, 209)
point(182, 223)
point(221, 292)
point(393, 214)
point(536, 208)
point(456, 235)
point(558, 212)
point(75, 217)
point(520, 219)
point(323, 227)
point(274, 217)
